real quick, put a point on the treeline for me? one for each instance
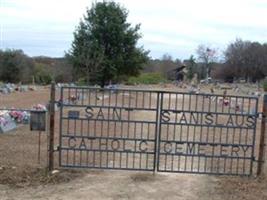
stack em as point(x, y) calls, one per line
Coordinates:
point(15, 67)
point(243, 60)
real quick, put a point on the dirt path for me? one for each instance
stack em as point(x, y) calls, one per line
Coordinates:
point(120, 185)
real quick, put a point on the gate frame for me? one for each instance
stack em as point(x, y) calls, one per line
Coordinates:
point(252, 157)
point(160, 100)
point(156, 110)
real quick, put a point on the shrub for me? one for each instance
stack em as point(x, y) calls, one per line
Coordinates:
point(43, 77)
point(146, 78)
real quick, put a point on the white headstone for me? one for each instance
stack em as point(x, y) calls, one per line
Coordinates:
point(6, 123)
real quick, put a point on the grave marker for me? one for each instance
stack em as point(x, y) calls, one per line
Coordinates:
point(6, 124)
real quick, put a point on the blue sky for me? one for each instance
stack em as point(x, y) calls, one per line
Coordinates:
point(45, 27)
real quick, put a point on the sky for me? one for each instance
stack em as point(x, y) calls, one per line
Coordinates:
point(175, 27)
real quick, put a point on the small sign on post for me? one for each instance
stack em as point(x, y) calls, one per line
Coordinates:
point(38, 123)
point(38, 120)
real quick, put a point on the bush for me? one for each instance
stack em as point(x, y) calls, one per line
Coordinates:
point(146, 78)
point(43, 77)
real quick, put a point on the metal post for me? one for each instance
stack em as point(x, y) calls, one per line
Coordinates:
point(51, 126)
point(39, 147)
point(156, 157)
point(262, 136)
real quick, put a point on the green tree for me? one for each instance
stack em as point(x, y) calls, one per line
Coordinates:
point(41, 74)
point(191, 67)
point(15, 66)
point(105, 45)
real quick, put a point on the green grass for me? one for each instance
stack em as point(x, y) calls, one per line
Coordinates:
point(146, 78)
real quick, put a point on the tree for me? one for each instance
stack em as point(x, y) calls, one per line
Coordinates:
point(15, 66)
point(191, 67)
point(105, 45)
point(207, 56)
point(246, 59)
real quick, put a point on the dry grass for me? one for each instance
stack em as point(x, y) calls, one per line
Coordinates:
point(29, 176)
point(245, 188)
point(143, 177)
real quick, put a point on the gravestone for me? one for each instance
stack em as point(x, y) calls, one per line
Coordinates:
point(4, 91)
point(6, 123)
point(24, 88)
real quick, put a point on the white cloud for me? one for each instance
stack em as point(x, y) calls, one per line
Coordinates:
point(172, 26)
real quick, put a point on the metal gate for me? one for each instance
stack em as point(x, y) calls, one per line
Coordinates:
point(206, 133)
point(108, 129)
point(157, 131)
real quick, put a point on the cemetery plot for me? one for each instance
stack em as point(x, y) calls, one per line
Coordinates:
point(18, 144)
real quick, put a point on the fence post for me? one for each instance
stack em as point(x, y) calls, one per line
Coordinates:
point(51, 126)
point(262, 136)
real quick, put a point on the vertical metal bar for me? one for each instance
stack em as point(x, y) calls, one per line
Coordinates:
point(103, 96)
point(39, 146)
point(96, 98)
point(262, 136)
point(134, 143)
point(69, 96)
point(83, 97)
point(176, 102)
point(74, 158)
point(89, 96)
point(128, 127)
point(150, 100)
point(181, 126)
point(147, 161)
point(136, 99)
point(60, 125)
point(87, 158)
point(120, 160)
point(148, 131)
point(254, 135)
point(143, 101)
point(114, 159)
point(157, 132)
point(169, 104)
point(67, 160)
point(116, 99)
point(122, 101)
point(127, 156)
point(202, 110)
